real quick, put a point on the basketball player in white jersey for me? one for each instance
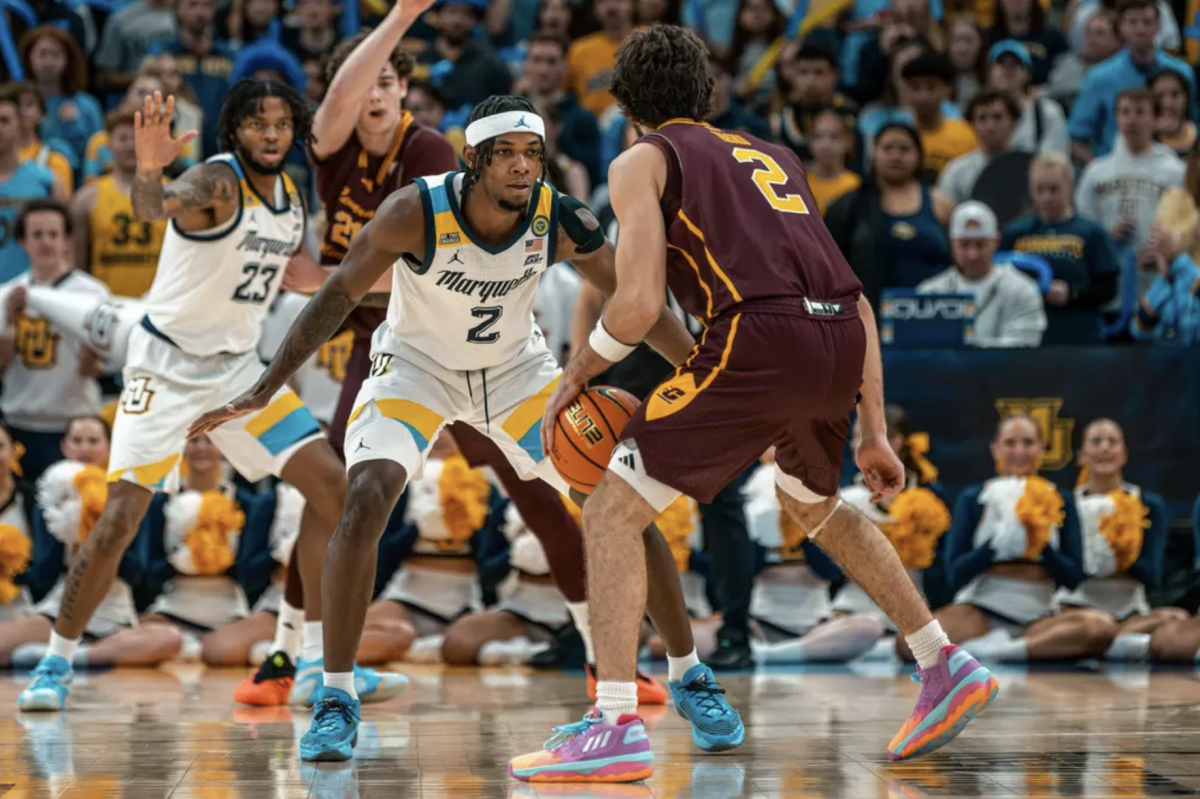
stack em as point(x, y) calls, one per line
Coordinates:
point(459, 345)
point(235, 222)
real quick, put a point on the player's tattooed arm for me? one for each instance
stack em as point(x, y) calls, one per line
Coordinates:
point(204, 186)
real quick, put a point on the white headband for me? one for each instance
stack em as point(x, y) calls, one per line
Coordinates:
point(509, 122)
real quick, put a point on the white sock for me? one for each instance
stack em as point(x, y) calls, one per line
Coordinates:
point(579, 614)
point(615, 699)
point(63, 647)
point(289, 631)
point(926, 643)
point(678, 667)
point(313, 648)
point(1130, 648)
point(343, 680)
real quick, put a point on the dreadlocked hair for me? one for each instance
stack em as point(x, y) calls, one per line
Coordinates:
point(245, 99)
point(496, 104)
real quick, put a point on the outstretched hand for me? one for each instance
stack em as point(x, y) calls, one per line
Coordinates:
point(248, 403)
point(566, 393)
point(881, 468)
point(156, 147)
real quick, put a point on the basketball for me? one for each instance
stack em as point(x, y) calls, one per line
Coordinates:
point(586, 433)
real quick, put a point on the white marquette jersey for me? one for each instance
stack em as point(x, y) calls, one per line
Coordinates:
point(42, 388)
point(468, 304)
point(213, 288)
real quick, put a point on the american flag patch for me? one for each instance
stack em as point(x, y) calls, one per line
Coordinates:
point(533, 245)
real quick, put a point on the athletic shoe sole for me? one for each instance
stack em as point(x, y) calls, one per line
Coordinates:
point(971, 699)
point(624, 768)
point(39, 703)
point(334, 754)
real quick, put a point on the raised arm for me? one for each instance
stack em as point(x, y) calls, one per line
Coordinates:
point(202, 187)
point(338, 114)
point(398, 228)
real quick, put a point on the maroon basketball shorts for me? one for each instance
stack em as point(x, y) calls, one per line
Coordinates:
point(756, 379)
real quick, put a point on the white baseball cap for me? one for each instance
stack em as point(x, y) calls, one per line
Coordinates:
point(973, 220)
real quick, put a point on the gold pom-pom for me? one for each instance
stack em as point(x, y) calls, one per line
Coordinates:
point(1039, 509)
point(919, 519)
point(219, 519)
point(16, 550)
point(675, 523)
point(1125, 528)
point(573, 509)
point(918, 448)
point(92, 486)
point(464, 493)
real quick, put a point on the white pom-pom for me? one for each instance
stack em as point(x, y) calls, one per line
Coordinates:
point(425, 504)
point(285, 527)
point(59, 501)
point(762, 508)
point(514, 525)
point(526, 554)
point(999, 525)
point(1098, 557)
point(181, 514)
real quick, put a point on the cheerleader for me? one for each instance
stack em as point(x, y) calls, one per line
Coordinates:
point(69, 498)
point(1012, 541)
point(1124, 542)
point(16, 535)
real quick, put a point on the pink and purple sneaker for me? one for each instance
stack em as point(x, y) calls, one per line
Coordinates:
point(952, 693)
point(590, 751)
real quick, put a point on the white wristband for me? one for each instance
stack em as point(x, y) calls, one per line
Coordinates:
point(608, 347)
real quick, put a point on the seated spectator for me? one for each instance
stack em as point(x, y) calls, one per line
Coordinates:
point(1080, 254)
point(19, 183)
point(204, 62)
point(55, 64)
point(249, 21)
point(1024, 21)
point(464, 69)
point(892, 103)
point(129, 35)
point(545, 74)
point(808, 79)
point(1169, 309)
point(993, 116)
point(1173, 125)
point(566, 174)
point(317, 31)
point(832, 144)
point(967, 52)
point(590, 59)
point(188, 113)
point(1121, 191)
point(49, 374)
point(53, 155)
point(1008, 306)
point(903, 21)
point(890, 229)
point(97, 160)
point(1100, 43)
point(110, 242)
point(1124, 533)
point(555, 18)
point(759, 24)
point(726, 111)
point(1013, 539)
point(1080, 13)
point(1093, 123)
point(929, 79)
point(1042, 127)
point(74, 22)
point(428, 107)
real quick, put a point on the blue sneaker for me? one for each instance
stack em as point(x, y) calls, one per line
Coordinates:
point(51, 684)
point(716, 726)
point(371, 685)
point(334, 730)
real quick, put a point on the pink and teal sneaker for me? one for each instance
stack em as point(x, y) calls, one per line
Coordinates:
point(952, 693)
point(590, 751)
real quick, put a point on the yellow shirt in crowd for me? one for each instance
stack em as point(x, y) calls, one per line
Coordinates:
point(828, 191)
point(123, 249)
point(53, 160)
point(945, 143)
point(590, 62)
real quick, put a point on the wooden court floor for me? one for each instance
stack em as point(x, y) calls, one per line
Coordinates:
point(815, 733)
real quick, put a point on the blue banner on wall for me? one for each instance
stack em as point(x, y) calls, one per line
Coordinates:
point(958, 396)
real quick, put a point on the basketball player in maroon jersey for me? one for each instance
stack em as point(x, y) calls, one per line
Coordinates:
point(727, 222)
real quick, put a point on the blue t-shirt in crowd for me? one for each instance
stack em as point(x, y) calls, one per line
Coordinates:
point(916, 244)
point(89, 119)
point(28, 182)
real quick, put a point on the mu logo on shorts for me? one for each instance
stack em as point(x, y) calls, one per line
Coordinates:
point(1056, 431)
point(135, 399)
point(36, 343)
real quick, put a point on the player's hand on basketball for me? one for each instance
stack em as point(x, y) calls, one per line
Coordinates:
point(156, 147)
point(563, 396)
point(252, 401)
point(881, 468)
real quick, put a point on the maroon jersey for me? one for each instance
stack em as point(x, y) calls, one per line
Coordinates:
point(742, 225)
point(352, 185)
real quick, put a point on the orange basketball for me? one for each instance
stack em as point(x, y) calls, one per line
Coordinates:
point(586, 433)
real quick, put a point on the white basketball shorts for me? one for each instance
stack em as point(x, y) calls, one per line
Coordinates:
point(166, 390)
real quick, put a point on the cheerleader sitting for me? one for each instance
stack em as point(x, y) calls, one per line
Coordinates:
point(1012, 540)
point(1124, 542)
point(69, 498)
point(791, 596)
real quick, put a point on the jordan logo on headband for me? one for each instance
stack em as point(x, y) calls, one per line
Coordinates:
point(508, 122)
point(521, 123)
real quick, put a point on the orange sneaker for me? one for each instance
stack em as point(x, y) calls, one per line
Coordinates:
point(650, 692)
point(271, 685)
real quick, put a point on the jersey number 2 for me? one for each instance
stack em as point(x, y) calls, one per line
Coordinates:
point(768, 178)
point(490, 314)
point(257, 285)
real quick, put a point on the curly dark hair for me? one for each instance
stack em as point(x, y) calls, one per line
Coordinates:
point(496, 104)
point(400, 59)
point(662, 74)
point(245, 99)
